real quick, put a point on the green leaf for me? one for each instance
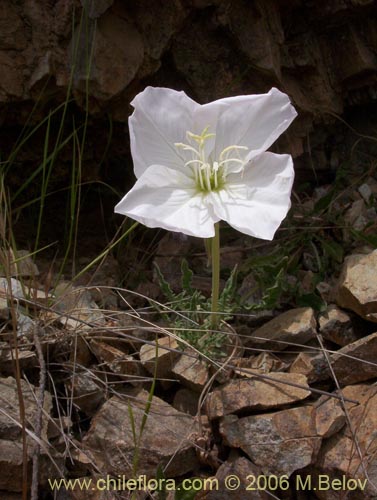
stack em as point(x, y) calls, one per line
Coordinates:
point(371, 239)
point(312, 300)
point(165, 287)
point(332, 249)
point(184, 494)
point(187, 276)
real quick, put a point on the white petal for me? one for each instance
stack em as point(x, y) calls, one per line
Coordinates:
point(161, 118)
point(256, 201)
point(167, 198)
point(255, 121)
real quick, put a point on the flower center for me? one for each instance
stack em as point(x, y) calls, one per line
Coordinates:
point(209, 175)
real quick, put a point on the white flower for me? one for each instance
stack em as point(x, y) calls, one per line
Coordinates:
point(198, 164)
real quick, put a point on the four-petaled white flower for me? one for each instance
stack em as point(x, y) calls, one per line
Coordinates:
point(198, 164)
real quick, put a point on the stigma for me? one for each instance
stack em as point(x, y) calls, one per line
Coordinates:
point(208, 174)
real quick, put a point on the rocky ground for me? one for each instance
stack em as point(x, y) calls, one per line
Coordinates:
point(288, 411)
point(95, 384)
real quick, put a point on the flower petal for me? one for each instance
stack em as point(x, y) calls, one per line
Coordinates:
point(161, 118)
point(167, 198)
point(257, 200)
point(255, 121)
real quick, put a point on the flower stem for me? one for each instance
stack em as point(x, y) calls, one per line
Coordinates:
point(215, 257)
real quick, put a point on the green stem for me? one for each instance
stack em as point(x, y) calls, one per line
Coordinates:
point(215, 256)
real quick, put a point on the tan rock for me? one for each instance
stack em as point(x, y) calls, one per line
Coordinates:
point(165, 440)
point(118, 361)
point(336, 325)
point(265, 362)
point(256, 394)
point(192, 372)
point(164, 356)
point(357, 287)
point(330, 417)
point(279, 443)
point(186, 401)
point(294, 326)
point(339, 455)
point(244, 470)
point(356, 362)
point(313, 365)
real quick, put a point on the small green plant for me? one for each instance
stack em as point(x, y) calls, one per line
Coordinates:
point(192, 312)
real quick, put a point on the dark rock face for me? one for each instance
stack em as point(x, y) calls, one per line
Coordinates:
point(97, 55)
point(321, 53)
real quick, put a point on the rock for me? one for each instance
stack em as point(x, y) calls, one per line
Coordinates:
point(101, 281)
point(314, 366)
point(336, 325)
point(339, 455)
point(25, 325)
point(330, 416)
point(118, 361)
point(4, 310)
point(357, 287)
point(74, 307)
point(9, 429)
point(20, 263)
point(167, 353)
point(27, 360)
point(11, 454)
point(15, 290)
point(256, 394)
point(95, 8)
point(192, 372)
point(279, 443)
point(265, 362)
point(57, 426)
point(356, 217)
point(296, 326)
point(186, 401)
point(356, 362)
point(244, 470)
point(84, 391)
point(80, 351)
point(165, 440)
point(117, 53)
point(11, 461)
